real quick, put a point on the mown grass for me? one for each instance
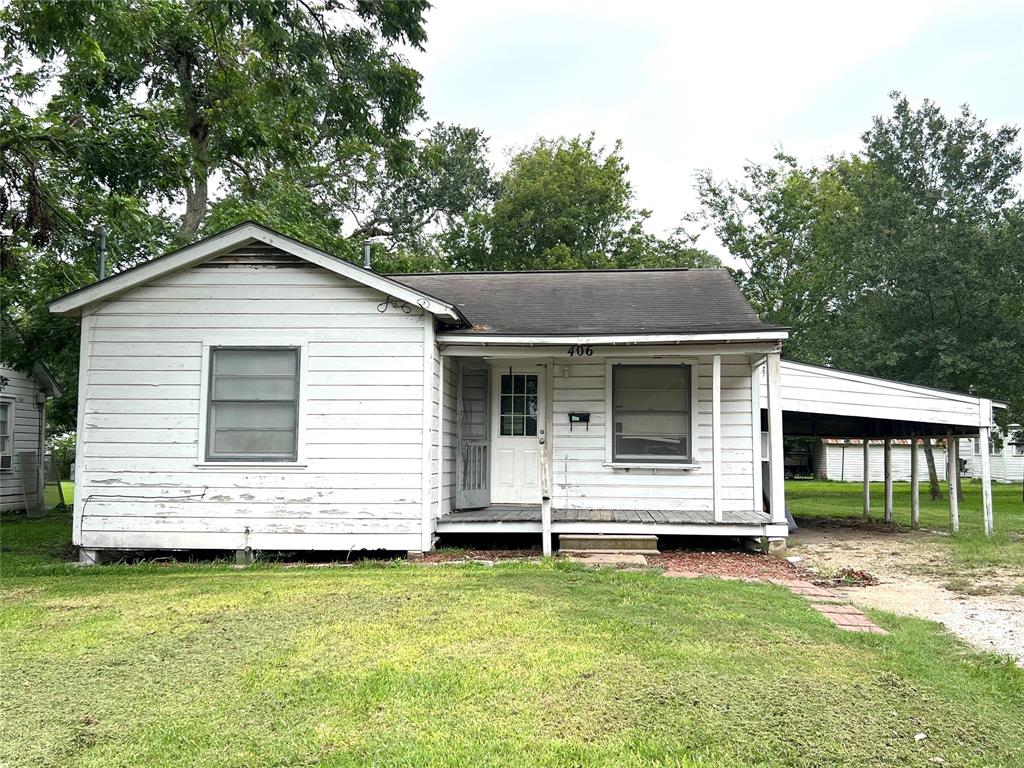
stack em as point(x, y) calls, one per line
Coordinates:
point(970, 548)
point(517, 665)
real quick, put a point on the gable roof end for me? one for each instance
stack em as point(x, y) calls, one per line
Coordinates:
point(223, 242)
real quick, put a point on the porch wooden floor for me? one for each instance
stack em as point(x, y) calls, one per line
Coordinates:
point(530, 513)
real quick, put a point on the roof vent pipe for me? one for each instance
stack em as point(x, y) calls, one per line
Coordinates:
point(101, 233)
point(366, 254)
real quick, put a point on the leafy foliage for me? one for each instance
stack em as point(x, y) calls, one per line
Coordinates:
point(904, 260)
point(565, 204)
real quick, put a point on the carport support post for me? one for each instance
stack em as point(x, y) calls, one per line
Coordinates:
point(915, 486)
point(951, 480)
point(867, 478)
point(984, 435)
point(888, 480)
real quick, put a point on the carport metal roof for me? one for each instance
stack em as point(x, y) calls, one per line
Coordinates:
point(826, 402)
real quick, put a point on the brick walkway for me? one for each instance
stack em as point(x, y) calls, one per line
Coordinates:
point(829, 603)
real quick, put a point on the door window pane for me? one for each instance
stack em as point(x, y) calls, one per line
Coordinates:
point(518, 405)
point(651, 413)
point(253, 408)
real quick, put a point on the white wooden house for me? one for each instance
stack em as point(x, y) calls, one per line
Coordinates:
point(251, 392)
point(23, 435)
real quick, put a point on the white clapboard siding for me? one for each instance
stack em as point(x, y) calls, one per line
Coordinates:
point(845, 462)
point(21, 390)
point(144, 482)
point(1006, 464)
point(583, 481)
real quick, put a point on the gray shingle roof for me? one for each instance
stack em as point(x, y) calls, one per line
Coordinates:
point(599, 302)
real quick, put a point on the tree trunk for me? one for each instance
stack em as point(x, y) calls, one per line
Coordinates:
point(196, 198)
point(933, 477)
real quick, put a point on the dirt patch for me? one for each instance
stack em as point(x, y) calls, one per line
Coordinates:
point(735, 565)
point(479, 555)
point(914, 576)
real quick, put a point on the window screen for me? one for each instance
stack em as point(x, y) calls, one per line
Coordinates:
point(253, 411)
point(651, 413)
point(6, 428)
point(519, 404)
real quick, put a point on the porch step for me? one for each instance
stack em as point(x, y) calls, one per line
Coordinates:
point(607, 543)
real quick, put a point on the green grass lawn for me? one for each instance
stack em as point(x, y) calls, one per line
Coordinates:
point(517, 665)
point(827, 499)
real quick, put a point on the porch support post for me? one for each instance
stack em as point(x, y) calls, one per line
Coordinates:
point(915, 486)
point(984, 436)
point(775, 451)
point(951, 482)
point(545, 458)
point(440, 437)
point(888, 480)
point(716, 436)
point(867, 477)
point(755, 445)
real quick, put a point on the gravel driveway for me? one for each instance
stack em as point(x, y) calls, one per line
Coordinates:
point(912, 570)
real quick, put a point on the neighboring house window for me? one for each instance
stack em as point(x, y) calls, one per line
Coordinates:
point(6, 434)
point(254, 404)
point(651, 413)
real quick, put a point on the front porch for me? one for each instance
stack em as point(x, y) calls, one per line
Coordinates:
point(527, 518)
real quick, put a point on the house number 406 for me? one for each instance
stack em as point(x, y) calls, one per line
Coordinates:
point(581, 350)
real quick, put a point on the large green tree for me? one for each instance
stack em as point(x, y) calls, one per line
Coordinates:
point(904, 260)
point(125, 112)
point(565, 203)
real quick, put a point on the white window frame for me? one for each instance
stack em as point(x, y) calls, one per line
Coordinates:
point(278, 342)
point(10, 427)
point(609, 420)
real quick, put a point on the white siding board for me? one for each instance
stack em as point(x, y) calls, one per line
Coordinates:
point(358, 484)
point(583, 481)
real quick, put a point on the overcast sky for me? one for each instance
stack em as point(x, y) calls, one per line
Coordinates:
point(712, 84)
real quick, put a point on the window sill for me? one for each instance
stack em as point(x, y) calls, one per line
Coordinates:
point(685, 467)
point(277, 465)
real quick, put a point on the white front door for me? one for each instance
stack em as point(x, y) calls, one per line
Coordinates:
point(517, 424)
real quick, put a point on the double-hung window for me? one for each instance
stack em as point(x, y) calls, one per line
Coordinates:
point(651, 414)
point(6, 434)
point(253, 409)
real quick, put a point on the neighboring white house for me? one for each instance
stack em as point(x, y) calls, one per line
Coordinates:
point(23, 434)
point(842, 460)
point(251, 392)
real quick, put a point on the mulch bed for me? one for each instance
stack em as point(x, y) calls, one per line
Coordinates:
point(846, 577)
point(737, 565)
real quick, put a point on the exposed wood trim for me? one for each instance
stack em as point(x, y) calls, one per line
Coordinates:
point(233, 238)
point(427, 522)
point(716, 436)
point(915, 485)
point(952, 475)
point(775, 450)
point(84, 355)
point(649, 338)
point(462, 347)
point(887, 459)
point(755, 422)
